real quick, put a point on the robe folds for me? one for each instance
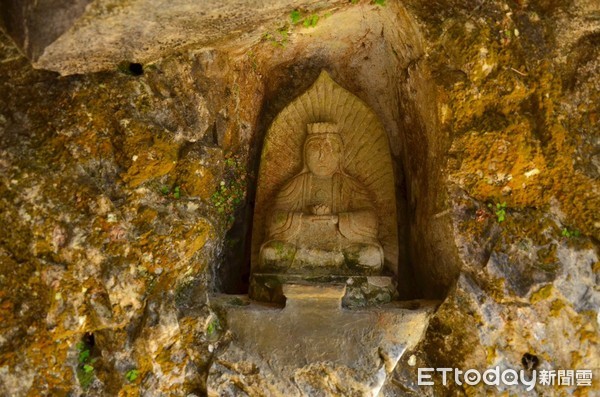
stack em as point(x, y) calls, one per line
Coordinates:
point(350, 201)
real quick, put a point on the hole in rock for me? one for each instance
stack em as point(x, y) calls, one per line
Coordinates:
point(131, 68)
point(530, 361)
point(136, 69)
point(89, 340)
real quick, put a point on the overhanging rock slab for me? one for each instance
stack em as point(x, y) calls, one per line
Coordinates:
point(82, 36)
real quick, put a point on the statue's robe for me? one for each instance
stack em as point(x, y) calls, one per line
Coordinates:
point(349, 200)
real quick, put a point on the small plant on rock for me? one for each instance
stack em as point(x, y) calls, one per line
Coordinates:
point(570, 233)
point(311, 21)
point(212, 329)
point(231, 192)
point(132, 375)
point(279, 38)
point(175, 192)
point(85, 369)
point(500, 211)
point(295, 17)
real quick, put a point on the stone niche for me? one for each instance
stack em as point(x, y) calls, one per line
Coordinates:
point(325, 202)
point(348, 224)
point(325, 252)
point(373, 57)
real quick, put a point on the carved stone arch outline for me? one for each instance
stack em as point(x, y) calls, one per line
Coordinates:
point(366, 156)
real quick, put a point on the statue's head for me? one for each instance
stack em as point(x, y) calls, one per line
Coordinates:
point(323, 149)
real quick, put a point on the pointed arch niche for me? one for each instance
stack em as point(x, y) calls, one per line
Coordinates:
point(366, 158)
point(376, 54)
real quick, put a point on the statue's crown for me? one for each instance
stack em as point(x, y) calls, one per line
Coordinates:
point(322, 128)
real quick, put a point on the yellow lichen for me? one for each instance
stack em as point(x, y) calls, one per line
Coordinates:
point(196, 238)
point(158, 160)
point(541, 294)
point(556, 306)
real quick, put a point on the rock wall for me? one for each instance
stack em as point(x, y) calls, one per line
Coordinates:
point(126, 194)
point(83, 36)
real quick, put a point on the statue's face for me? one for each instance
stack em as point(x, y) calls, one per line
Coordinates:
point(323, 156)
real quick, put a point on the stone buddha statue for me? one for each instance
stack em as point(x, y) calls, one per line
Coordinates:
point(322, 220)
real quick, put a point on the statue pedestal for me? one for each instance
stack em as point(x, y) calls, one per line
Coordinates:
point(360, 291)
point(312, 345)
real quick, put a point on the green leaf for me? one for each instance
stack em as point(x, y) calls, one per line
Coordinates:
point(176, 192)
point(380, 2)
point(570, 233)
point(84, 355)
point(132, 375)
point(311, 21)
point(295, 16)
point(88, 368)
point(164, 190)
point(212, 327)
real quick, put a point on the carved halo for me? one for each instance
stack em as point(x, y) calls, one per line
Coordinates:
point(366, 155)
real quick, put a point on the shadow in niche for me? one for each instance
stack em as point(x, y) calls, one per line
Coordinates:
point(234, 273)
point(283, 85)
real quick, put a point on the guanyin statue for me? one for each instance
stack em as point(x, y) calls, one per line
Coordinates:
point(322, 218)
point(325, 209)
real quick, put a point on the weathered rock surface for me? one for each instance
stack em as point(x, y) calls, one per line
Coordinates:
point(83, 36)
point(117, 192)
point(312, 346)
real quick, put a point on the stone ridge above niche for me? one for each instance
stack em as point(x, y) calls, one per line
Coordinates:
point(84, 36)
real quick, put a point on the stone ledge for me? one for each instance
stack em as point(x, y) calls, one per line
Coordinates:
point(360, 291)
point(277, 351)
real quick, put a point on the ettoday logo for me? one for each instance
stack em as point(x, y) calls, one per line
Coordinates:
point(508, 377)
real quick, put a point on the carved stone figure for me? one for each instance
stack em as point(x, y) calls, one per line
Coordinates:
point(325, 208)
point(323, 218)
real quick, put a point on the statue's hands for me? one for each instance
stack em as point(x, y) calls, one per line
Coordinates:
point(322, 213)
point(321, 209)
